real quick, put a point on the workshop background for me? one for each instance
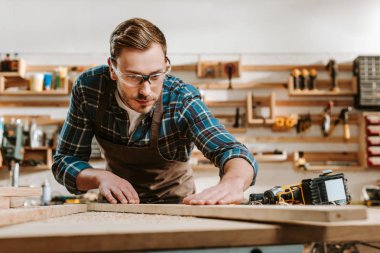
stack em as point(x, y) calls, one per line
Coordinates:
point(261, 41)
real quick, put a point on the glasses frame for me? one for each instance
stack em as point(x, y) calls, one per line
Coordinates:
point(143, 78)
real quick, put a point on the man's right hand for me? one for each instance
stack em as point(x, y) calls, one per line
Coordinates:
point(111, 186)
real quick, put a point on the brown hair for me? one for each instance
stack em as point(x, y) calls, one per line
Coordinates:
point(135, 33)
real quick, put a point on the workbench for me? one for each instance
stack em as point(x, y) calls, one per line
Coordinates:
point(112, 231)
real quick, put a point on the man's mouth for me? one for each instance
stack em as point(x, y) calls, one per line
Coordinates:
point(144, 102)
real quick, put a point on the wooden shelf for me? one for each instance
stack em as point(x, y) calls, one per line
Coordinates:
point(34, 93)
point(20, 73)
point(231, 103)
point(287, 67)
point(319, 161)
point(268, 101)
point(297, 139)
point(23, 103)
point(242, 86)
point(314, 103)
point(318, 92)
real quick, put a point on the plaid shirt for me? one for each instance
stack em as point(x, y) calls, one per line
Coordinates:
point(186, 121)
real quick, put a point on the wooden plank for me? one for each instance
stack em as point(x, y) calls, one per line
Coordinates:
point(111, 232)
point(23, 103)
point(238, 86)
point(114, 232)
point(16, 202)
point(20, 215)
point(20, 191)
point(230, 103)
point(4, 202)
point(282, 214)
point(319, 67)
point(296, 139)
point(317, 103)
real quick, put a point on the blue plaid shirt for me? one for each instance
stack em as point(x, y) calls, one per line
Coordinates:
point(186, 121)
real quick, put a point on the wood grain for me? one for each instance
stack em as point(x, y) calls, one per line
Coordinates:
point(281, 214)
point(110, 232)
point(4, 202)
point(20, 191)
point(16, 202)
point(20, 215)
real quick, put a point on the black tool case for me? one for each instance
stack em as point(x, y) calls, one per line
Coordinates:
point(367, 71)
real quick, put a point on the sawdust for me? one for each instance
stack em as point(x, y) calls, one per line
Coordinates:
point(107, 217)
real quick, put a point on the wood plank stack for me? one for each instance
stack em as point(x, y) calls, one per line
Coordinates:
point(12, 197)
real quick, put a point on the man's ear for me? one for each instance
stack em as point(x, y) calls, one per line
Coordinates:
point(112, 72)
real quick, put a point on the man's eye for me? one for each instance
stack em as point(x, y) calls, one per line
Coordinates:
point(134, 77)
point(155, 76)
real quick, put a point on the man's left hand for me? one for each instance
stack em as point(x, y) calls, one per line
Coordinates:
point(228, 191)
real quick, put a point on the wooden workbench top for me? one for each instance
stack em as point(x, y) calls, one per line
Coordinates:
point(104, 231)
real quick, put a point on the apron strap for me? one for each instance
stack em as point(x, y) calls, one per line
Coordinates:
point(103, 103)
point(156, 122)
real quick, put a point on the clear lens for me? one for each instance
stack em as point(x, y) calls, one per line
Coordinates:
point(132, 80)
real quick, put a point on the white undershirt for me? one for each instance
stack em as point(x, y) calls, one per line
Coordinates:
point(134, 117)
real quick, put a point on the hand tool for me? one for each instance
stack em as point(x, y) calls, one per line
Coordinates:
point(313, 79)
point(12, 149)
point(326, 118)
point(304, 79)
point(343, 116)
point(332, 68)
point(323, 190)
point(296, 79)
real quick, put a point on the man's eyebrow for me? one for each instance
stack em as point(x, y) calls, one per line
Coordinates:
point(139, 73)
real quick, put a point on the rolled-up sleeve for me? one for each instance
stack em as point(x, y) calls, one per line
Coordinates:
point(210, 136)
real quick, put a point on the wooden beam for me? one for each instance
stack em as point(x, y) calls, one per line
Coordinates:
point(230, 103)
point(316, 103)
point(239, 86)
point(288, 67)
point(16, 202)
point(4, 202)
point(283, 214)
point(21, 215)
point(23, 103)
point(20, 191)
point(296, 139)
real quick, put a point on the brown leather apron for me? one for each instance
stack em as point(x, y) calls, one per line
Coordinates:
point(156, 179)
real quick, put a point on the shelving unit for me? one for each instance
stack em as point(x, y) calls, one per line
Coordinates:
point(18, 79)
point(319, 92)
point(336, 161)
point(268, 102)
point(21, 70)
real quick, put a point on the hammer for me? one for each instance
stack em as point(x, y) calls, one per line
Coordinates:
point(343, 116)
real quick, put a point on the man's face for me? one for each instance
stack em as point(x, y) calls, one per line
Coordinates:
point(141, 96)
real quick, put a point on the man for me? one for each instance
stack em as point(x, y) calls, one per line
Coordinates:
point(146, 123)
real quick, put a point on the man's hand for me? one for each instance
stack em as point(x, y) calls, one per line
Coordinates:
point(226, 192)
point(111, 186)
point(237, 178)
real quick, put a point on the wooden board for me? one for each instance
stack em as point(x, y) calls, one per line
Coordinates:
point(111, 232)
point(4, 202)
point(20, 215)
point(20, 191)
point(264, 213)
point(16, 202)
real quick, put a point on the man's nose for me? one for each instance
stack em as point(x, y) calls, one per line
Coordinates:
point(145, 88)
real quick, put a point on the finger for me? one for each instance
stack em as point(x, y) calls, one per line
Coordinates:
point(120, 196)
point(131, 193)
point(107, 194)
point(216, 197)
point(201, 198)
point(128, 195)
point(235, 198)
